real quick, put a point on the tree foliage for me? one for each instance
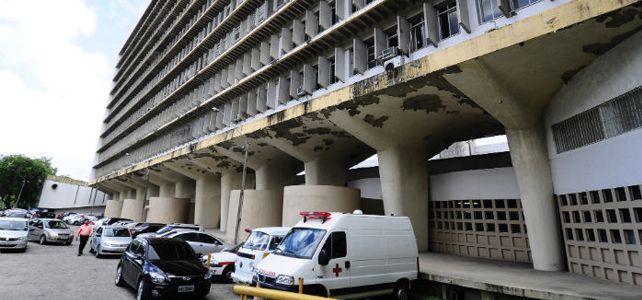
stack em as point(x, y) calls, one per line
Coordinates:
point(16, 169)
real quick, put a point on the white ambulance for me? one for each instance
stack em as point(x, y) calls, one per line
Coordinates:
point(345, 256)
point(260, 243)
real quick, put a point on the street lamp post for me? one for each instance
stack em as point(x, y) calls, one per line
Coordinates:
point(23, 186)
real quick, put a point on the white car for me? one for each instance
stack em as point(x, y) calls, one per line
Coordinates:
point(222, 263)
point(260, 243)
point(170, 227)
point(341, 255)
point(201, 242)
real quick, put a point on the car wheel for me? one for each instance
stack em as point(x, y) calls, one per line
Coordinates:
point(400, 292)
point(227, 274)
point(42, 240)
point(97, 251)
point(76, 223)
point(141, 291)
point(119, 276)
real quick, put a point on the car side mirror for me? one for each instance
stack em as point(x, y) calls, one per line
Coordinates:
point(324, 258)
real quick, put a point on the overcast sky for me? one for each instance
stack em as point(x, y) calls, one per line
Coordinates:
point(57, 59)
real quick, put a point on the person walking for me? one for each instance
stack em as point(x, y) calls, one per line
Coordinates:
point(84, 232)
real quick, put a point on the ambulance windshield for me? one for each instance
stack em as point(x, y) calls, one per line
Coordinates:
point(300, 242)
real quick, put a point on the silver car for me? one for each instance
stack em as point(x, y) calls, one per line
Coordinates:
point(13, 233)
point(201, 242)
point(110, 240)
point(50, 231)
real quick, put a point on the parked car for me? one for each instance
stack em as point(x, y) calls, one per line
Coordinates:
point(145, 228)
point(201, 242)
point(13, 233)
point(110, 240)
point(162, 267)
point(65, 214)
point(342, 255)
point(260, 243)
point(50, 231)
point(222, 263)
point(172, 226)
point(107, 221)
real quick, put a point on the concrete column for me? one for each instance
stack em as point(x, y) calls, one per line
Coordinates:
point(229, 181)
point(186, 188)
point(167, 209)
point(153, 191)
point(132, 209)
point(207, 201)
point(167, 189)
point(325, 170)
point(530, 161)
point(299, 198)
point(131, 194)
point(113, 208)
point(122, 195)
point(271, 176)
point(140, 194)
point(260, 209)
point(404, 185)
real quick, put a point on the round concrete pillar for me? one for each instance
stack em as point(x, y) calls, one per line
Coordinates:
point(207, 208)
point(132, 209)
point(261, 208)
point(113, 208)
point(167, 210)
point(300, 198)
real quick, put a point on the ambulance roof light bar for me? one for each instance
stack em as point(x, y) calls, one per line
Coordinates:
point(316, 215)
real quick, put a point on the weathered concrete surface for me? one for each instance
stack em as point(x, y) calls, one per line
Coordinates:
point(261, 208)
point(208, 201)
point(132, 209)
point(167, 210)
point(519, 279)
point(113, 208)
point(300, 198)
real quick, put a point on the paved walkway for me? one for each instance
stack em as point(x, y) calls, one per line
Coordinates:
point(519, 279)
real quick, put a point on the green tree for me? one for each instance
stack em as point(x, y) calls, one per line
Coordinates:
point(18, 169)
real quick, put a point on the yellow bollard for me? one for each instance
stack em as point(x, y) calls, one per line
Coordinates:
point(209, 258)
point(300, 285)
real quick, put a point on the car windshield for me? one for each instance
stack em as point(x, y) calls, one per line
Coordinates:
point(17, 225)
point(116, 232)
point(56, 225)
point(164, 229)
point(257, 241)
point(171, 251)
point(300, 242)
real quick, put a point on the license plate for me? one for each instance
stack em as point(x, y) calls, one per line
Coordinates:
point(185, 288)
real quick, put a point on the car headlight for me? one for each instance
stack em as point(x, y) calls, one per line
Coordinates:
point(105, 244)
point(252, 269)
point(53, 235)
point(23, 238)
point(158, 278)
point(207, 276)
point(284, 280)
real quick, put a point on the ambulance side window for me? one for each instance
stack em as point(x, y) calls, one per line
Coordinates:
point(336, 245)
point(275, 242)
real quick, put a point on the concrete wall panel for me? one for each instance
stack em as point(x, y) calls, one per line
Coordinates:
point(131, 209)
point(113, 208)
point(168, 209)
point(261, 208)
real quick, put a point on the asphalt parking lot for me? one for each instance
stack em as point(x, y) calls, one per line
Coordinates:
point(56, 272)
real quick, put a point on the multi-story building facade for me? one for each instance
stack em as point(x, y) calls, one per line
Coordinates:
point(318, 86)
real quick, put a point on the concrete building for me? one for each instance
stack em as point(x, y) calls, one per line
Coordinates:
point(61, 194)
point(318, 86)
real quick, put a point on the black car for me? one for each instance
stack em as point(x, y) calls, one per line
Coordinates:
point(145, 228)
point(161, 267)
point(111, 221)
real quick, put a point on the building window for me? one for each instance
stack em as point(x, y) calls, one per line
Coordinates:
point(333, 77)
point(391, 33)
point(417, 32)
point(448, 22)
point(488, 10)
point(333, 13)
point(372, 60)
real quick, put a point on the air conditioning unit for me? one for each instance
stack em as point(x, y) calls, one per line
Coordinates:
point(394, 62)
point(388, 53)
point(300, 91)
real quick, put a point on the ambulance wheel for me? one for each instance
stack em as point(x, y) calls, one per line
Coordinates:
point(401, 291)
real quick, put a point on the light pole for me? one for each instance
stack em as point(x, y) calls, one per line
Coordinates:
point(246, 148)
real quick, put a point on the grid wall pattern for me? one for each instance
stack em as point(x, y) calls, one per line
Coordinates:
point(491, 228)
point(609, 119)
point(603, 233)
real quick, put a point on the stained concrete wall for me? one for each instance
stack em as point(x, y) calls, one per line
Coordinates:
point(113, 208)
point(168, 209)
point(68, 194)
point(300, 198)
point(261, 208)
point(611, 162)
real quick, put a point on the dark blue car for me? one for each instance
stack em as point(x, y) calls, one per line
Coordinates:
point(163, 268)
